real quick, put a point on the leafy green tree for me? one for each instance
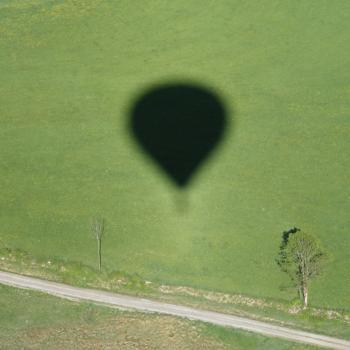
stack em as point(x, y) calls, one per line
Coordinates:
point(302, 258)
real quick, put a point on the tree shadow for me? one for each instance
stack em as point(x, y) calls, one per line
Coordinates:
point(286, 234)
point(178, 126)
point(281, 259)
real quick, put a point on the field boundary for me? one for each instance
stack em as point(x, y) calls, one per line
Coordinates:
point(147, 305)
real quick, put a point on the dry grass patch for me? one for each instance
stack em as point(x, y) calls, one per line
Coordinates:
point(126, 331)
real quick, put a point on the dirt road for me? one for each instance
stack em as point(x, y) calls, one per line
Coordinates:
point(145, 305)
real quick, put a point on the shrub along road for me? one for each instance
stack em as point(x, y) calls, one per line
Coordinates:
point(141, 304)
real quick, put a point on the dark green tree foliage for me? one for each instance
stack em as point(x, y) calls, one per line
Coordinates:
point(302, 258)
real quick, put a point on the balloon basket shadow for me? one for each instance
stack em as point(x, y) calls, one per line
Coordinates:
point(181, 202)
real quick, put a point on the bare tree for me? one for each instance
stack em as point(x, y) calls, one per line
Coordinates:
point(302, 258)
point(97, 229)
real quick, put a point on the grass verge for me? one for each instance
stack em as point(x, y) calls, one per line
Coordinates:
point(330, 322)
point(32, 320)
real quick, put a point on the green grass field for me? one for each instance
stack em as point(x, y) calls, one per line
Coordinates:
point(31, 320)
point(70, 72)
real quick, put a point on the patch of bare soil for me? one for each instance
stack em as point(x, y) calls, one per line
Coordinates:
point(123, 332)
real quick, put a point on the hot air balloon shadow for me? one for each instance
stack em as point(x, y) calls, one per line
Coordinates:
point(178, 126)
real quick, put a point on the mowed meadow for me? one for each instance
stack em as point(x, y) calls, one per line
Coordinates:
point(70, 72)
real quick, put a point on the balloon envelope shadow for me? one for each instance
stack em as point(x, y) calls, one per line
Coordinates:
point(178, 126)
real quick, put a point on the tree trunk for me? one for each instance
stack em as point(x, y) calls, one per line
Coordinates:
point(99, 254)
point(305, 296)
point(300, 293)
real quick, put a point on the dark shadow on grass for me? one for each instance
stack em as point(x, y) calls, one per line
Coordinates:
point(286, 234)
point(178, 126)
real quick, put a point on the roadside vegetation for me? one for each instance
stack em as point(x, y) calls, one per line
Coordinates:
point(31, 320)
point(291, 314)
